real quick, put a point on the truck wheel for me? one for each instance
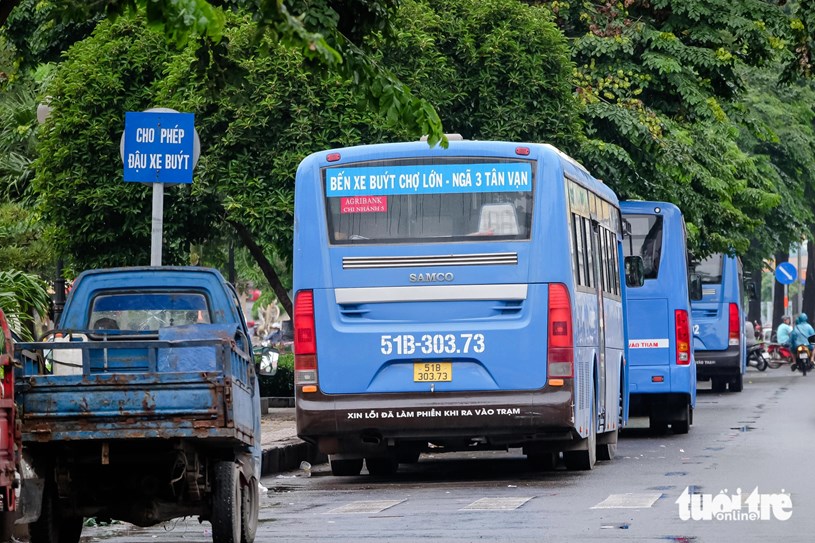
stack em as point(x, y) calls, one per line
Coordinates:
point(226, 504)
point(52, 527)
point(345, 466)
point(250, 503)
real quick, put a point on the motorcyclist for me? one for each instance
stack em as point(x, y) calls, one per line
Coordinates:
point(800, 334)
point(782, 335)
point(749, 333)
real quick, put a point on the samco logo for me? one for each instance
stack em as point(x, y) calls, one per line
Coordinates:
point(431, 277)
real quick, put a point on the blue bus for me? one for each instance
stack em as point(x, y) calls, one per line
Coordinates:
point(718, 324)
point(456, 299)
point(662, 372)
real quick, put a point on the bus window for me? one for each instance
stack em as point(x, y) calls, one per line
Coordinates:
point(493, 212)
point(645, 241)
point(711, 270)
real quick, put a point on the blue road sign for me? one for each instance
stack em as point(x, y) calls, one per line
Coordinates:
point(785, 273)
point(158, 147)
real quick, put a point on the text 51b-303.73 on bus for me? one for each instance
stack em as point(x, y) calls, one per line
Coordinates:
point(478, 286)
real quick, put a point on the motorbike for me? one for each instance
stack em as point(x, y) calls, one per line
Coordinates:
point(757, 357)
point(803, 358)
point(779, 355)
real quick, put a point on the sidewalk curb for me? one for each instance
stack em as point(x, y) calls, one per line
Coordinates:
point(289, 456)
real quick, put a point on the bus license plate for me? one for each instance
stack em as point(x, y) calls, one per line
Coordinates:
point(430, 372)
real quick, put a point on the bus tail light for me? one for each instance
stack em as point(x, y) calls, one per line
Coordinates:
point(560, 336)
point(682, 337)
point(305, 340)
point(735, 322)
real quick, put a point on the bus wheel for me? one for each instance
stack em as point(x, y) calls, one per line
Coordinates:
point(718, 384)
point(607, 451)
point(682, 424)
point(585, 459)
point(737, 384)
point(345, 467)
point(381, 466)
point(542, 461)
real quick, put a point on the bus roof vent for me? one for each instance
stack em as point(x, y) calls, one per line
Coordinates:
point(450, 137)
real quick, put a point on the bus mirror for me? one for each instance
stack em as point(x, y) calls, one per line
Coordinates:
point(751, 290)
point(695, 286)
point(634, 271)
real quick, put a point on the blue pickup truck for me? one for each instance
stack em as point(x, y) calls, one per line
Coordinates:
point(142, 406)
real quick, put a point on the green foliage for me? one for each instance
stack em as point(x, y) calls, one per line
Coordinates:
point(497, 69)
point(281, 384)
point(260, 110)
point(23, 245)
point(22, 295)
point(660, 83)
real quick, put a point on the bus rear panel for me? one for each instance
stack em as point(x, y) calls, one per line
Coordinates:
point(718, 324)
point(435, 304)
point(662, 373)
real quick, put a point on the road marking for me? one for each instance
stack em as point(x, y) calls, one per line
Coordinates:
point(496, 504)
point(363, 507)
point(628, 501)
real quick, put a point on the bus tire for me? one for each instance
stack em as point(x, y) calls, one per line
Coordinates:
point(381, 466)
point(607, 451)
point(737, 384)
point(718, 384)
point(682, 424)
point(584, 460)
point(542, 461)
point(345, 467)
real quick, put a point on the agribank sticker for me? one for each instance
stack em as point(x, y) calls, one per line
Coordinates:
point(364, 204)
point(648, 343)
point(429, 179)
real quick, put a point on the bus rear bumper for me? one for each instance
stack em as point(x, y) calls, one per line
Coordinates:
point(371, 424)
point(725, 363)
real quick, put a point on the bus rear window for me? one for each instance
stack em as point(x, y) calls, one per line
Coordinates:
point(711, 270)
point(429, 201)
point(645, 241)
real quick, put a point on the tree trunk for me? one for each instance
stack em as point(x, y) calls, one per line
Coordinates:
point(808, 303)
point(754, 304)
point(265, 266)
point(778, 291)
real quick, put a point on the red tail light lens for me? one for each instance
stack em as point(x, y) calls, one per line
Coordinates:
point(682, 337)
point(560, 336)
point(305, 339)
point(735, 322)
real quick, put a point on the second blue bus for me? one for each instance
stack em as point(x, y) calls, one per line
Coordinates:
point(456, 299)
point(718, 323)
point(662, 376)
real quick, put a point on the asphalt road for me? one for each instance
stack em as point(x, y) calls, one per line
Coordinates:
point(760, 441)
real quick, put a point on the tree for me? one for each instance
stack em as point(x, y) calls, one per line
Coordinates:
point(660, 81)
point(260, 110)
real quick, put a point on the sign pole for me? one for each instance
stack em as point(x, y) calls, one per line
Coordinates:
point(158, 224)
